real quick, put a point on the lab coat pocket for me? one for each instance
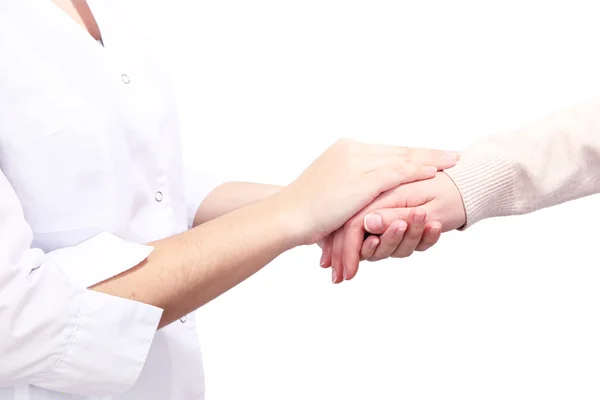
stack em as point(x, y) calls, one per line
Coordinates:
point(56, 159)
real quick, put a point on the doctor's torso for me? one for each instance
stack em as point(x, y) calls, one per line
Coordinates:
point(89, 141)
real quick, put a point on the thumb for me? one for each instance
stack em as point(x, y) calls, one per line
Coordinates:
point(377, 222)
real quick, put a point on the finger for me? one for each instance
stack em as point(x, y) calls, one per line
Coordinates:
point(369, 246)
point(337, 273)
point(379, 221)
point(431, 235)
point(390, 240)
point(326, 251)
point(354, 236)
point(437, 158)
point(396, 173)
point(433, 157)
point(412, 237)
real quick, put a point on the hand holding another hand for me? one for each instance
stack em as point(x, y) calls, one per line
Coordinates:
point(408, 217)
point(347, 177)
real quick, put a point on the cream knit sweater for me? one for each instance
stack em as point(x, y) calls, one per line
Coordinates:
point(543, 164)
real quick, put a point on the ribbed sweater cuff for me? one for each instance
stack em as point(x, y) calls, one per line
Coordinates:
point(486, 183)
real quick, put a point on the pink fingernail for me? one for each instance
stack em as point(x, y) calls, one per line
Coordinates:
point(373, 244)
point(345, 273)
point(373, 222)
point(399, 231)
point(419, 216)
point(333, 275)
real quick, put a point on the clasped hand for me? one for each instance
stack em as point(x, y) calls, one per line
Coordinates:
point(396, 193)
point(409, 217)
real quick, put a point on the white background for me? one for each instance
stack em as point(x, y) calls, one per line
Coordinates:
point(506, 310)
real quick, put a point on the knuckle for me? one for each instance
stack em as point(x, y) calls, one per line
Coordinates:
point(335, 254)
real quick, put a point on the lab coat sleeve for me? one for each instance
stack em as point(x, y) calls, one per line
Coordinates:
point(54, 332)
point(198, 186)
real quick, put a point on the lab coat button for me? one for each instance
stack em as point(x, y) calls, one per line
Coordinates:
point(125, 78)
point(158, 196)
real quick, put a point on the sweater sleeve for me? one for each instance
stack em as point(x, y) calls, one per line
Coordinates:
point(540, 165)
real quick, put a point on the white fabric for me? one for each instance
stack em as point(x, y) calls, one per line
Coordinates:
point(90, 171)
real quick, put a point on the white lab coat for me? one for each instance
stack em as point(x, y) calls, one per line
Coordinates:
point(90, 170)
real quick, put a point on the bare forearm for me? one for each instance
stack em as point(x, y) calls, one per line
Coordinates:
point(231, 196)
point(186, 271)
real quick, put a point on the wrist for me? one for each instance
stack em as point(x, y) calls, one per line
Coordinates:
point(447, 206)
point(456, 213)
point(292, 229)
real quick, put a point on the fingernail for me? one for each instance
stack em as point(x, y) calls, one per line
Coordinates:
point(419, 216)
point(322, 262)
point(373, 244)
point(432, 170)
point(373, 222)
point(333, 276)
point(400, 229)
point(345, 273)
point(452, 156)
point(435, 230)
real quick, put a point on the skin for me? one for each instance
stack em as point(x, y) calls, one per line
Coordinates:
point(81, 13)
point(231, 196)
point(437, 202)
point(188, 270)
point(416, 236)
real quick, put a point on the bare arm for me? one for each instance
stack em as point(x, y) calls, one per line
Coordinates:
point(71, 332)
point(231, 196)
point(188, 270)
